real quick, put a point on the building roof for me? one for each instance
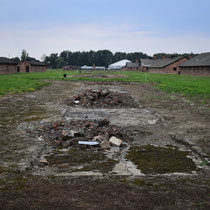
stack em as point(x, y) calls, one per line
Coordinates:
point(4, 60)
point(37, 63)
point(159, 63)
point(119, 64)
point(200, 60)
point(70, 66)
point(147, 62)
point(132, 65)
point(34, 63)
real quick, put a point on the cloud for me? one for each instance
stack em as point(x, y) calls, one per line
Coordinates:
point(124, 37)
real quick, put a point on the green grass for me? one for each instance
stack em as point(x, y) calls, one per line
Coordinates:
point(186, 85)
point(24, 82)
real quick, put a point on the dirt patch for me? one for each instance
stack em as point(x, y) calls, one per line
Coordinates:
point(28, 108)
point(138, 126)
point(160, 160)
point(86, 193)
point(101, 76)
point(182, 117)
point(86, 159)
point(102, 98)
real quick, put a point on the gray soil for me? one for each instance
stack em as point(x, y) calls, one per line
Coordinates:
point(160, 124)
point(101, 76)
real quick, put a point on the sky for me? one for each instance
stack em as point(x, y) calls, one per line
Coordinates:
point(148, 26)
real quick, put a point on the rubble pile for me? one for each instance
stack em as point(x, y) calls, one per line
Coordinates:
point(108, 83)
point(102, 98)
point(77, 133)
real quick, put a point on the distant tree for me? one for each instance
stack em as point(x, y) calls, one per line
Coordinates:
point(103, 58)
point(24, 55)
point(54, 61)
point(99, 58)
point(16, 59)
point(51, 60)
point(119, 56)
point(31, 59)
point(60, 63)
point(65, 56)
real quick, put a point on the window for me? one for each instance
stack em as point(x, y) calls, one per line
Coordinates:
point(174, 68)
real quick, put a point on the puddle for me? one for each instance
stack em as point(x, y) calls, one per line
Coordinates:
point(160, 160)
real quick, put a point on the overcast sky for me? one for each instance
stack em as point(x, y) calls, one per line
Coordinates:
point(149, 26)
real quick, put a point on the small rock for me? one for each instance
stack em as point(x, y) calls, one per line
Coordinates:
point(95, 91)
point(105, 145)
point(78, 132)
point(105, 92)
point(43, 162)
point(99, 138)
point(103, 123)
point(40, 138)
point(115, 141)
point(66, 144)
point(64, 133)
point(57, 143)
point(76, 98)
point(54, 125)
point(68, 133)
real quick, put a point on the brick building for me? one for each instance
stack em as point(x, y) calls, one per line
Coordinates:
point(130, 66)
point(197, 66)
point(162, 66)
point(69, 68)
point(31, 66)
point(7, 66)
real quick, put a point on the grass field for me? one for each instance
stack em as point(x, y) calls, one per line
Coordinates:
point(185, 85)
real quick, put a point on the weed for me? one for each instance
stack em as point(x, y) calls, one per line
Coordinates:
point(159, 160)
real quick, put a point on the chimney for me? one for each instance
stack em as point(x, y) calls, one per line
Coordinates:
point(154, 57)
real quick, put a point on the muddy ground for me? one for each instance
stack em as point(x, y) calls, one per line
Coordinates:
point(163, 162)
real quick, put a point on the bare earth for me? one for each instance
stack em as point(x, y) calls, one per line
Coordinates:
point(162, 164)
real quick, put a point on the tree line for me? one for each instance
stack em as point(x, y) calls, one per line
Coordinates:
point(90, 58)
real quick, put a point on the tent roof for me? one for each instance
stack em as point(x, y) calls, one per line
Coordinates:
point(120, 63)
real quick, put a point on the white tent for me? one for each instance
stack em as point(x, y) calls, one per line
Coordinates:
point(118, 65)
